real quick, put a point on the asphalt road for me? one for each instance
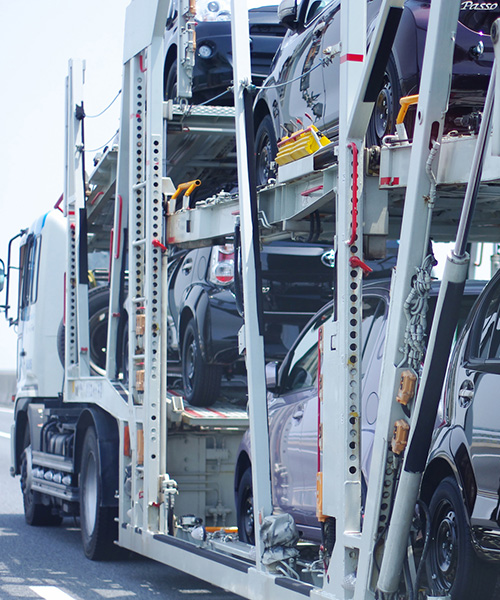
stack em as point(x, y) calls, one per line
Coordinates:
point(41, 562)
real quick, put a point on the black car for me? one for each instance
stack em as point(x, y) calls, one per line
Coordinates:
point(204, 318)
point(300, 87)
point(213, 70)
point(462, 479)
point(205, 313)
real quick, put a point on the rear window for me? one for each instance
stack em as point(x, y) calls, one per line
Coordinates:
point(479, 16)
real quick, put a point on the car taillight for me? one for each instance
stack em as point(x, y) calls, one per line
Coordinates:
point(222, 266)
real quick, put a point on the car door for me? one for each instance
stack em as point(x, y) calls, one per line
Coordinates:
point(303, 90)
point(287, 411)
point(183, 271)
point(374, 318)
point(476, 405)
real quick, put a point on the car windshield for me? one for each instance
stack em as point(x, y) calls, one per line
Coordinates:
point(220, 10)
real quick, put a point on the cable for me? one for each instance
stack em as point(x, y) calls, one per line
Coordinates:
point(322, 62)
point(107, 107)
point(104, 145)
point(229, 89)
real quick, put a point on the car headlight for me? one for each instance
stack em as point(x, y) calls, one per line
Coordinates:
point(205, 51)
point(213, 10)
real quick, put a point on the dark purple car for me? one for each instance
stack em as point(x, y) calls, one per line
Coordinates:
point(295, 88)
point(293, 434)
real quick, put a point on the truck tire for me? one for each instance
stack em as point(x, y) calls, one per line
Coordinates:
point(170, 92)
point(244, 509)
point(201, 380)
point(35, 512)
point(98, 330)
point(97, 523)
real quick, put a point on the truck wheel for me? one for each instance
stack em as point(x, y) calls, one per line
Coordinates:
point(98, 330)
point(35, 512)
point(201, 380)
point(452, 564)
point(171, 83)
point(244, 509)
point(97, 523)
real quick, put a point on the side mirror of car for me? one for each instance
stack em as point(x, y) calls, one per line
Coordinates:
point(272, 375)
point(2, 274)
point(287, 13)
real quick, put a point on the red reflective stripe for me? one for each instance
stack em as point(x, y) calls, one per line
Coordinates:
point(98, 195)
point(354, 226)
point(119, 234)
point(351, 58)
point(389, 181)
point(311, 191)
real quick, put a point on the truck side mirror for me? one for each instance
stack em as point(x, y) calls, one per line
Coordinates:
point(287, 13)
point(2, 274)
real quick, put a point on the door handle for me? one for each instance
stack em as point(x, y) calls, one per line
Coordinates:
point(466, 393)
point(298, 414)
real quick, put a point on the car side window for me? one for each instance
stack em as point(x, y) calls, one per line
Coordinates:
point(374, 310)
point(315, 7)
point(485, 342)
point(303, 370)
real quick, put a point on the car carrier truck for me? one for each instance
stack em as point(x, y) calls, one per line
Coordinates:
point(100, 432)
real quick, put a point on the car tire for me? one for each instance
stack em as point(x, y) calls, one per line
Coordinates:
point(35, 512)
point(171, 83)
point(98, 330)
point(97, 523)
point(383, 119)
point(266, 149)
point(452, 565)
point(201, 380)
point(244, 509)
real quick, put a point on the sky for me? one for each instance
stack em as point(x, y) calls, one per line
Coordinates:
point(37, 38)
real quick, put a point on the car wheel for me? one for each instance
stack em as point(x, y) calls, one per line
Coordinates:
point(244, 509)
point(201, 380)
point(452, 564)
point(171, 83)
point(385, 111)
point(98, 526)
point(98, 330)
point(35, 513)
point(266, 149)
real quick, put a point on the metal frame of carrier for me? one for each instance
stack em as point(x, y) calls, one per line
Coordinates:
point(357, 205)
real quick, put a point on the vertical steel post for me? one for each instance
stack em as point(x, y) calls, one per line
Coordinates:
point(342, 367)
point(254, 340)
point(414, 239)
point(77, 320)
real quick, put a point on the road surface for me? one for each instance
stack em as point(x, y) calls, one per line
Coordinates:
point(48, 563)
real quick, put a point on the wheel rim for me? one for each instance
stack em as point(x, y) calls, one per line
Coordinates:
point(98, 327)
point(264, 159)
point(190, 363)
point(383, 109)
point(26, 479)
point(89, 489)
point(247, 516)
point(444, 550)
